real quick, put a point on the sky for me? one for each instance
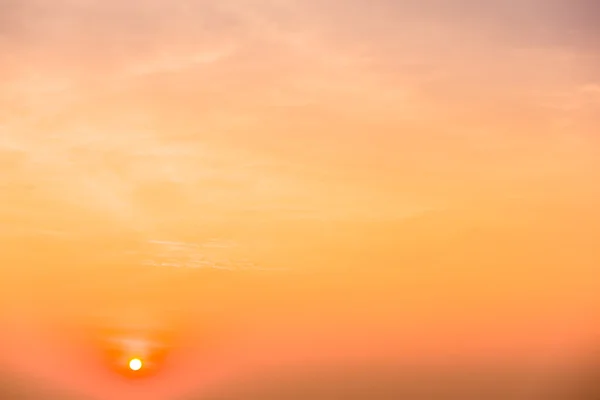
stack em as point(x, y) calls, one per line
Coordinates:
point(402, 167)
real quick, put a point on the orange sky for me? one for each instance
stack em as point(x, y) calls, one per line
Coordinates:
point(408, 168)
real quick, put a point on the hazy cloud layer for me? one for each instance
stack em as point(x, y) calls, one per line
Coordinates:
point(151, 115)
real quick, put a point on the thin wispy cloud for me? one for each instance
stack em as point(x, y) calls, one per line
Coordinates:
point(141, 112)
point(169, 254)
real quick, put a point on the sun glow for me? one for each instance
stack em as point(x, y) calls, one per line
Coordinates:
point(135, 364)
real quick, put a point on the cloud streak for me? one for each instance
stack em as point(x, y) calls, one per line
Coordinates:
point(138, 114)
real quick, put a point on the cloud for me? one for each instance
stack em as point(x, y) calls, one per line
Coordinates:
point(173, 254)
point(160, 109)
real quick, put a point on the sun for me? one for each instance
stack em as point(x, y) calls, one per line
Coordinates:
point(135, 364)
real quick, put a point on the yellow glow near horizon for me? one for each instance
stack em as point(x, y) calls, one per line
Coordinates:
point(135, 364)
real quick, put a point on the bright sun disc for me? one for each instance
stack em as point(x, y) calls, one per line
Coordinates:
point(135, 364)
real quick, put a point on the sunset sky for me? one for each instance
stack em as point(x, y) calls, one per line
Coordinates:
point(404, 167)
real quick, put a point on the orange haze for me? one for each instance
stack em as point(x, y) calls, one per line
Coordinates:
point(369, 182)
